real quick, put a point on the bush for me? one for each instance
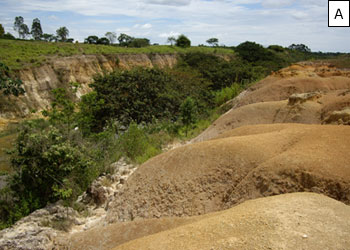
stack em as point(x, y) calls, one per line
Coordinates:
point(52, 160)
point(139, 95)
point(226, 94)
point(136, 145)
point(183, 41)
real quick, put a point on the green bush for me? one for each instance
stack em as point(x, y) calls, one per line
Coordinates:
point(226, 94)
point(136, 144)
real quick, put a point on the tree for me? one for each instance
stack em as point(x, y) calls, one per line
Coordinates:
point(112, 36)
point(124, 39)
point(171, 40)
point(8, 85)
point(139, 42)
point(2, 31)
point(103, 40)
point(91, 40)
point(253, 52)
point(62, 33)
point(24, 31)
point(300, 47)
point(49, 37)
point(183, 41)
point(20, 27)
point(17, 24)
point(213, 41)
point(188, 112)
point(37, 31)
point(9, 36)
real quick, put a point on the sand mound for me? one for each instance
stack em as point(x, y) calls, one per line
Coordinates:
point(245, 163)
point(301, 78)
point(306, 108)
point(292, 221)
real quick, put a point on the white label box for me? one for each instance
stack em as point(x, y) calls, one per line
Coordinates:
point(338, 13)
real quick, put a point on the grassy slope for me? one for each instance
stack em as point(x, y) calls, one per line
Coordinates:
point(17, 54)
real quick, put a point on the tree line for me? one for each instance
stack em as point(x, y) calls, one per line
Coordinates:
point(110, 38)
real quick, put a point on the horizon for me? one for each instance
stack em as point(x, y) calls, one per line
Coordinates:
point(266, 22)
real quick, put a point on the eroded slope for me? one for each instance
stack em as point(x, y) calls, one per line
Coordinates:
point(245, 163)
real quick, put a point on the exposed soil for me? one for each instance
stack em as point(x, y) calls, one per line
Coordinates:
point(244, 163)
point(290, 221)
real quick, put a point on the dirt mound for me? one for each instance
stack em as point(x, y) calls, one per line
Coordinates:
point(292, 221)
point(297, 79)
point(112, 235)
point(244, 163)
point(306, 108)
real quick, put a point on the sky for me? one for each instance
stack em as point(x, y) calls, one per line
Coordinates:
point(266, 22)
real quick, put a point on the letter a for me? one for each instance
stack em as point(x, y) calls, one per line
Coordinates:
point(340, 14)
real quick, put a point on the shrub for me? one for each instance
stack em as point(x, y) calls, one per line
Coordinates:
point(183, 41)
point(139, 95)
point(226, 94)
point(136, 145)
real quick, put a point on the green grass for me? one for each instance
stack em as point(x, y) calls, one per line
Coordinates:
point(18, 54)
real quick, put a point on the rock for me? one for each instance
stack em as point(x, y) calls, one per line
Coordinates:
point(301, 98)
point(339, 117)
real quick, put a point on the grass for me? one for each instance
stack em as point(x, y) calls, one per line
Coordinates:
point(18, 54)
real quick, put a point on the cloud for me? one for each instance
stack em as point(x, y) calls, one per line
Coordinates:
point(231, 21)
point(171, 33)
point(170, 2)
point(276, 3)
point(146, 26)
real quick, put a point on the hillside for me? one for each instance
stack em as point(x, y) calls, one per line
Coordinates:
point(39, 82)
point(308, 93)
point(283, 135)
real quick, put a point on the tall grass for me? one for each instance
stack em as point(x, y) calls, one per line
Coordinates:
point(18, 54)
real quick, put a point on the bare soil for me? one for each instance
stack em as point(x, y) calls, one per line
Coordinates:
point(290, 221)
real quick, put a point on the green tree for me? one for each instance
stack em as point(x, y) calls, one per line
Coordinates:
point(19, 20)
point(62, 34)
point(103, 40)
point(2, 31)
point(139, 95)
point(213, 41)
point(300, 47)
point(171, 40)
point(112, 36)
point(188, 112)
point(183, 41)
point(49, 37)
point(20, 27)
point(8, 85)
point(9, 36)
point(91, 40)
point(253, 52)
point(37, 31)
point(139, 42)
point(124, 39)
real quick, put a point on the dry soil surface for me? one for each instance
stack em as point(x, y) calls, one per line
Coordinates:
point(289, 221)
point(245, 163)
point(302, 93)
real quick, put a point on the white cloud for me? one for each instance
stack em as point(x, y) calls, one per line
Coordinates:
point(169, 2)
point(146, 26)
point(232, 21)
point(171, 33)
point(276, 3)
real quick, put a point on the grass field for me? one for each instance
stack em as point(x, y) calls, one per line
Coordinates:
point(18, 54)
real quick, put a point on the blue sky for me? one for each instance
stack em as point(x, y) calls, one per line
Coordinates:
point(266, 22)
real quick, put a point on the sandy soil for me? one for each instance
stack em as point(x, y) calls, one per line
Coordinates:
point(290, 221)
point(244, 163)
